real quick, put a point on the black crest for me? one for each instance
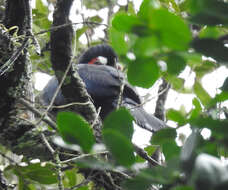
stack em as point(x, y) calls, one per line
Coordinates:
point(99, 50)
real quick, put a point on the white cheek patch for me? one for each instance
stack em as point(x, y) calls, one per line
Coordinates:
point(102, 60)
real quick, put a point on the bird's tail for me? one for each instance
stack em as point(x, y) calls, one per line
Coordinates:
point(143, 119)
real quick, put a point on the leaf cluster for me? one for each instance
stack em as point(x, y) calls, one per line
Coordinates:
point(161, 31)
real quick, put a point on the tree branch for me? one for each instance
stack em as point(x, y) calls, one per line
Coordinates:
point(160, 105)
point(37, 112)
point(16, 78)
point(61, 53)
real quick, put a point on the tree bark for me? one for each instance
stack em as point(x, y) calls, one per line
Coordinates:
point(14, 76)
point(61, 54)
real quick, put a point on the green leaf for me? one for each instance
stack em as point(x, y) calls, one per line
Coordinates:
point(208, 122)
point(121, 121)
point(201, 93)
point(141, 182)
point(40, 20)
point(146, 46)
point(96, 19)
point(204, 68)
point(223, 96)
point(182, 188)
point(143, 72)
point(225, 85)
point(211, 48)
point(197, 110)
point(146, 8)
point(125, 23)
point(218, 127)
point(170, 150)
point(81, 31)
point(21, 183)
point(208, 12)
point(97, 5)
point(176, 116)
point(40, 15)
point(193, 59)
point(84, 188)
point(94, 163)
point(31, 187)
point(75, 130)
point(130, 7)
point(118, 41)
point(150, 151)
point(36, 172)
point(177, 83)
point(72, 177)
point(156, 175)
point(175, 64)
point(174, 33)
point(209, 148)
point(209, 32)
point(41, 7)
point(164, 136)
point(45, 60)
point(120, 147)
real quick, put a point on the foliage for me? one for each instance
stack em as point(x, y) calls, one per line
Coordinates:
point(159, 31)
point(117, 136)
point(75, 130)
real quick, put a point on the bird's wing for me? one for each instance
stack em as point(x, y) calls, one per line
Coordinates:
point(49, 91)
point(144, 119)
point(105, 81)
point(98, 80)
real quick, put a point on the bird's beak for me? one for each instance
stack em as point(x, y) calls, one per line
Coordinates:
point(119, 67)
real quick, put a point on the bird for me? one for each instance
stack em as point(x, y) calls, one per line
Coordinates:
point(98, 69)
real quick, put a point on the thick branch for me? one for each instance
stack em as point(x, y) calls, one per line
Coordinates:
point(160, 105)
point(61, 52)
point(15, 79)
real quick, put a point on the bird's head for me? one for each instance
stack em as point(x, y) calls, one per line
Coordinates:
point(100, 55)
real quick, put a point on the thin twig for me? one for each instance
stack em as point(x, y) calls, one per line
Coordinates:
point(160, 109)
point(122, 174)
point(46, 119)
point(151, 98)
point(97, 117)
point(120, 98)
point(83, 156)
point(28, 12)
point(143, 154)
point(47, 144)
point(45, 141)
point(86, 33)
point(108, 174)
point(55, 95)
point(65, 105)
point(59, 87)
point(15, 55)
point(72, 104)
point(83, 183)
point(8, 158)
point(53, 28)
point(59, 172)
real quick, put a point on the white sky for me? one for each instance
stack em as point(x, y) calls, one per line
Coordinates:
point(210, 82)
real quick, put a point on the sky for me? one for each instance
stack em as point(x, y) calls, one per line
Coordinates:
point(211, 82)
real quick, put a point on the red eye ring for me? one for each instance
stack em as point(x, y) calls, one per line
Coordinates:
point(93, 61)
